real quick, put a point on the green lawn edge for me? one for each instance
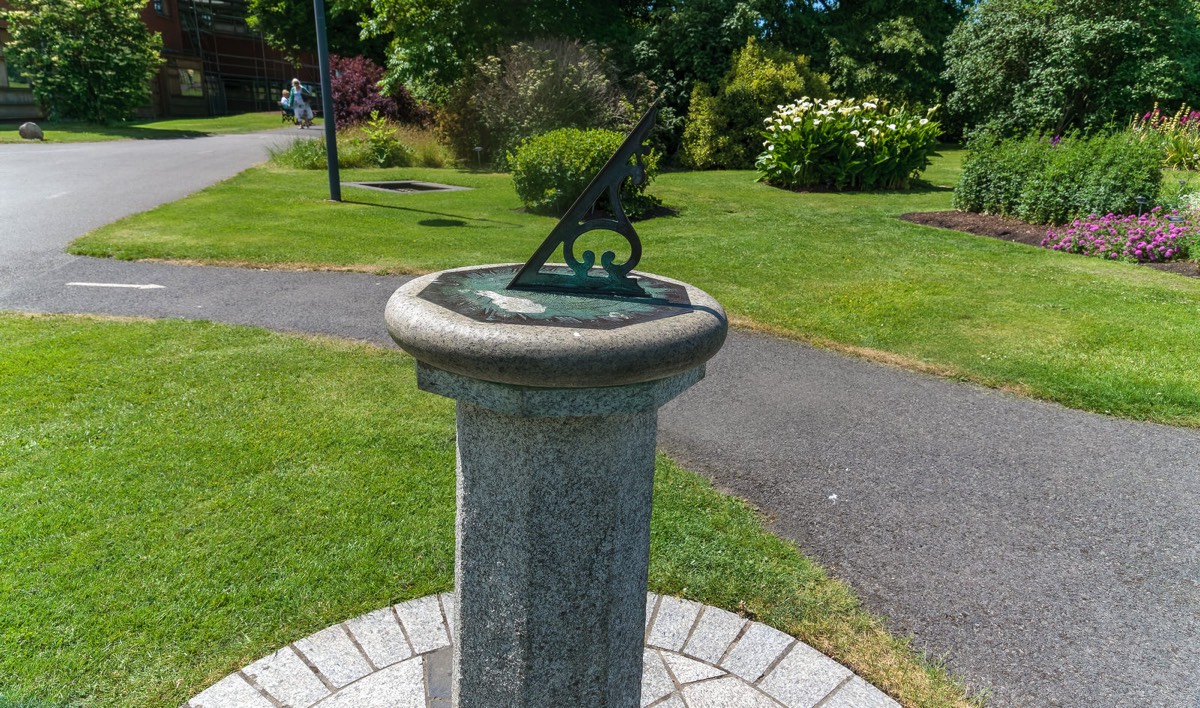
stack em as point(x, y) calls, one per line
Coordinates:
point(149, 129)
point(178, 499)
point(838, 270)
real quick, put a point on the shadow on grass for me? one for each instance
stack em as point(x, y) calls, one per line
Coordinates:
point(458, 219)
point(133, 132)
point(918, 186)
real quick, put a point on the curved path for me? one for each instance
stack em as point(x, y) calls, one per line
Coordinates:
point(1051, 557)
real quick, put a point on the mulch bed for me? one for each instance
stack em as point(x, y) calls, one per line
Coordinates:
point(1009, 229)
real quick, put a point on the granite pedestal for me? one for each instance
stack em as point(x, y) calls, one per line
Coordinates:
point(557, 399)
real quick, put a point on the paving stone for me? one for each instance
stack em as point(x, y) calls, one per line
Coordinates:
point(334, 655)
point(449, 611)
point(651, 601)
point(689, 670)
point(672, 701)
point(804, 677)
point(656, 682)
point(230, 692)
point(287, 679)
point(725, 692)
point(380, 636)
point(673, 623)
point(398, 686)
point(758, 648)
point(798, 676)
point(422, 619)
point(713, 634)
point(860, 694)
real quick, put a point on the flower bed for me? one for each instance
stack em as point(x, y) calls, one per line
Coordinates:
point(1149, 238)
point(1179, 135)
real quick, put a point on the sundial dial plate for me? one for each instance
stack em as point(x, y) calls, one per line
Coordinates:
point(481, 294)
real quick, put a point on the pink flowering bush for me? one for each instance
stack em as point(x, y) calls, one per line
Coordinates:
point(1149, 238)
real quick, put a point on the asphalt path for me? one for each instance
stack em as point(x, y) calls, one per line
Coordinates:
point(1049, 557)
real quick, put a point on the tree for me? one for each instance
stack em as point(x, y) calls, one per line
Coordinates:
point(86, 59)
point(290, 26)
point(1050, 65)
point(724, 129)
point(891, 49)
point(532, 88)
point(436, 42)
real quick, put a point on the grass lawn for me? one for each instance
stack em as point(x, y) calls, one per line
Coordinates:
point(158, 129)
point(834, 269)
point(178, 499)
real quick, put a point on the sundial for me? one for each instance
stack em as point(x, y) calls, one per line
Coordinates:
point(584, 290)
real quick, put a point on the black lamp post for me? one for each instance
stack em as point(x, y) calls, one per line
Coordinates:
point(335, 182)
point(1141, 202)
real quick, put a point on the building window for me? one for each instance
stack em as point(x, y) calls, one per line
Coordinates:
point(186, 82)
point(160, 6)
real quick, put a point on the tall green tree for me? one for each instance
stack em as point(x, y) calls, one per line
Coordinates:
point(685, 43)
point(436, 42)
point(889, 48)
point(85, 59)
point(724, 127)
point(1050, 65)
point(289, 25)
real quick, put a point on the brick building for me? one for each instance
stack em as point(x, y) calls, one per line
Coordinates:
point(213, 63)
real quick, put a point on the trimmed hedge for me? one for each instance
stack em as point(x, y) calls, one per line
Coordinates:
point(1052, 181)
point(551, 170)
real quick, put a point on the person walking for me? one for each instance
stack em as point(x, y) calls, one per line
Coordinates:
point(300, 105)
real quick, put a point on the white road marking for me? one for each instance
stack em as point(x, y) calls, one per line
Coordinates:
point(149, 286)
point(56, 196)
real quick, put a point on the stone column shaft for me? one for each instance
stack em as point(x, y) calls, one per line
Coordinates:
point(553, 542)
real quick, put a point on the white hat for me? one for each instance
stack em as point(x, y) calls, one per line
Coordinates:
point(295, 81)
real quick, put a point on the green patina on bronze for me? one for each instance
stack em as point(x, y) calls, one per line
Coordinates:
point(482, 295)
point(612, 277)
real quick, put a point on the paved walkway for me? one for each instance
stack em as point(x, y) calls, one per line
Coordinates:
point(1049, 556)
point(400, 657)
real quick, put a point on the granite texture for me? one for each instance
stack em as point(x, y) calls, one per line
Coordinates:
point(534, 402)
point(31, 131)
point(671, 679)
point(553, 543)
point(555, 356)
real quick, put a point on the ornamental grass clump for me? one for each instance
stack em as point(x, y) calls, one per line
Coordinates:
point(1152, 237)
point(1178, 134)
point(845, 144)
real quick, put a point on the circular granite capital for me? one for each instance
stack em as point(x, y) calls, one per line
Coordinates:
point(464, 322)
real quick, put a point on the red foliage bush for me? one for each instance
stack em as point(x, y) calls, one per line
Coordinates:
point(355, 83)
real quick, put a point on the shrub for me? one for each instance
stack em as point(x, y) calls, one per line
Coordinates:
point(845, 145)
point(551, 170)
point(1054, 180)
point(356, 94)
point(379, 143)
point(724, 129)
point(1149, 238)
point(529, 89)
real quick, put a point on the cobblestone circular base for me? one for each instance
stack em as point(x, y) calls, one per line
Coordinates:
point(696, 657)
